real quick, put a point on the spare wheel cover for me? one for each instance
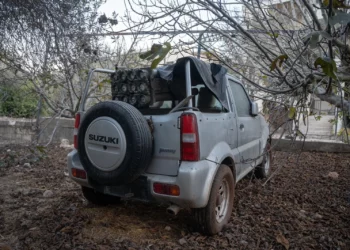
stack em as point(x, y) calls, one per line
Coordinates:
point(114, 143)
point(105, 143)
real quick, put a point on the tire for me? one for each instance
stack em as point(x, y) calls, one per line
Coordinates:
point(207, 220)
point(99, 198)
point(129, 128)
point(263, 170)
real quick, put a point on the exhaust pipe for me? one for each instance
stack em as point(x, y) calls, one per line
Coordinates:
point(173, 209)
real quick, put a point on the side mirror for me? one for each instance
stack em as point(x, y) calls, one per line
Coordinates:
point(255, 109)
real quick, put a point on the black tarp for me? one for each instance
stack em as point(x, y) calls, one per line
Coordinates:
point(211, 75)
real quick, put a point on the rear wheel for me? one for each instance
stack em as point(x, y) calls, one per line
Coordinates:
point(212, 218)
point(98, 198)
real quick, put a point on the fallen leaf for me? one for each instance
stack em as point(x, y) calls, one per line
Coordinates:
point(282, 240)
point(66, 229)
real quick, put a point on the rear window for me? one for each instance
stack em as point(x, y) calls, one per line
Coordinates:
point(206, 101)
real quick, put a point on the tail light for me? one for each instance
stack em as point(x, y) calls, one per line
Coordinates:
point(167, 189)
point(76, 127)
point(189, 138)
point(78, 173)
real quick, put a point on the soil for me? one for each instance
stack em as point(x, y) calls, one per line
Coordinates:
point(301, 207)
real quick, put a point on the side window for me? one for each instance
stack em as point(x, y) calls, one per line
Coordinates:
point(241, 99)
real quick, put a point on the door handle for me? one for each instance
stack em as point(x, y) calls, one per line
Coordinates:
point(241, 126)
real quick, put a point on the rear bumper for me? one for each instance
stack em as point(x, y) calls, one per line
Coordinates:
point(194, 180)
point(74, 162)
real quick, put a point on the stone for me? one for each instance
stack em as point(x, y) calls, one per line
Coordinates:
point(167, 228)
point(25, 191)
point(65, 144)
point(333, 175)
point(26, 165)
point(243, 242)
point(182, 241)
point(318, 216)
point(48, 194)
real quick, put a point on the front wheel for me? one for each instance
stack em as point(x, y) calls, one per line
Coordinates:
point(263, 170)
point(212, 218)
point(98, 198)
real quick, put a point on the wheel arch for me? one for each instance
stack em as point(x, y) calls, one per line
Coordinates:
point(222, 154)
point(231, 164)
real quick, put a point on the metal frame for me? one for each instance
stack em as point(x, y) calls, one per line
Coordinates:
point(188, 82)
point(109, 71)
point(88, 82)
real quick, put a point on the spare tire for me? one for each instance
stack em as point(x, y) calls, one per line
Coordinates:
point(114, 143)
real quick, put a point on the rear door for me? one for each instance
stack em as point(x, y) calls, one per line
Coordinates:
point(248, 127)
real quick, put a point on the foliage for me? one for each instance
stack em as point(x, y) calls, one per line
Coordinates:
point(157, 53)
point(328, 66)
point(264, 35)
point(18, 102)
point(45, 43)
point(289, 52)
point(281, 59)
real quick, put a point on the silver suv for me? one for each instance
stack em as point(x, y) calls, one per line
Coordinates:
point(183, 134)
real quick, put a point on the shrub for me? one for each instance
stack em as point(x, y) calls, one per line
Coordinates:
point(18, 101)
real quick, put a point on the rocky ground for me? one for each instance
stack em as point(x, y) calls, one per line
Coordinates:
point(301, 207)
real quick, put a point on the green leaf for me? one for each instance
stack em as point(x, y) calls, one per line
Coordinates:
point(317, 118)
point(336, 4)
point(146, 55)
point(150, 55)
point(281, 59)
point(41, 149)
point(292, 113)
point(328, 66)
point(273, 35)
point(333, 121)
point(100, 85)
point(162, 55)
point(157, 54)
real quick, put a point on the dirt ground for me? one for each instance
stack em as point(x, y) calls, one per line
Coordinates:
point(299, 208)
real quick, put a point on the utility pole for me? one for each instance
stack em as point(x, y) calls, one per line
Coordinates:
point(199, 44)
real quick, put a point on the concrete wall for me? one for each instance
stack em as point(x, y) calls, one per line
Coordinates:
point(23, 131)
point(310, 145)
point(16, 131)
